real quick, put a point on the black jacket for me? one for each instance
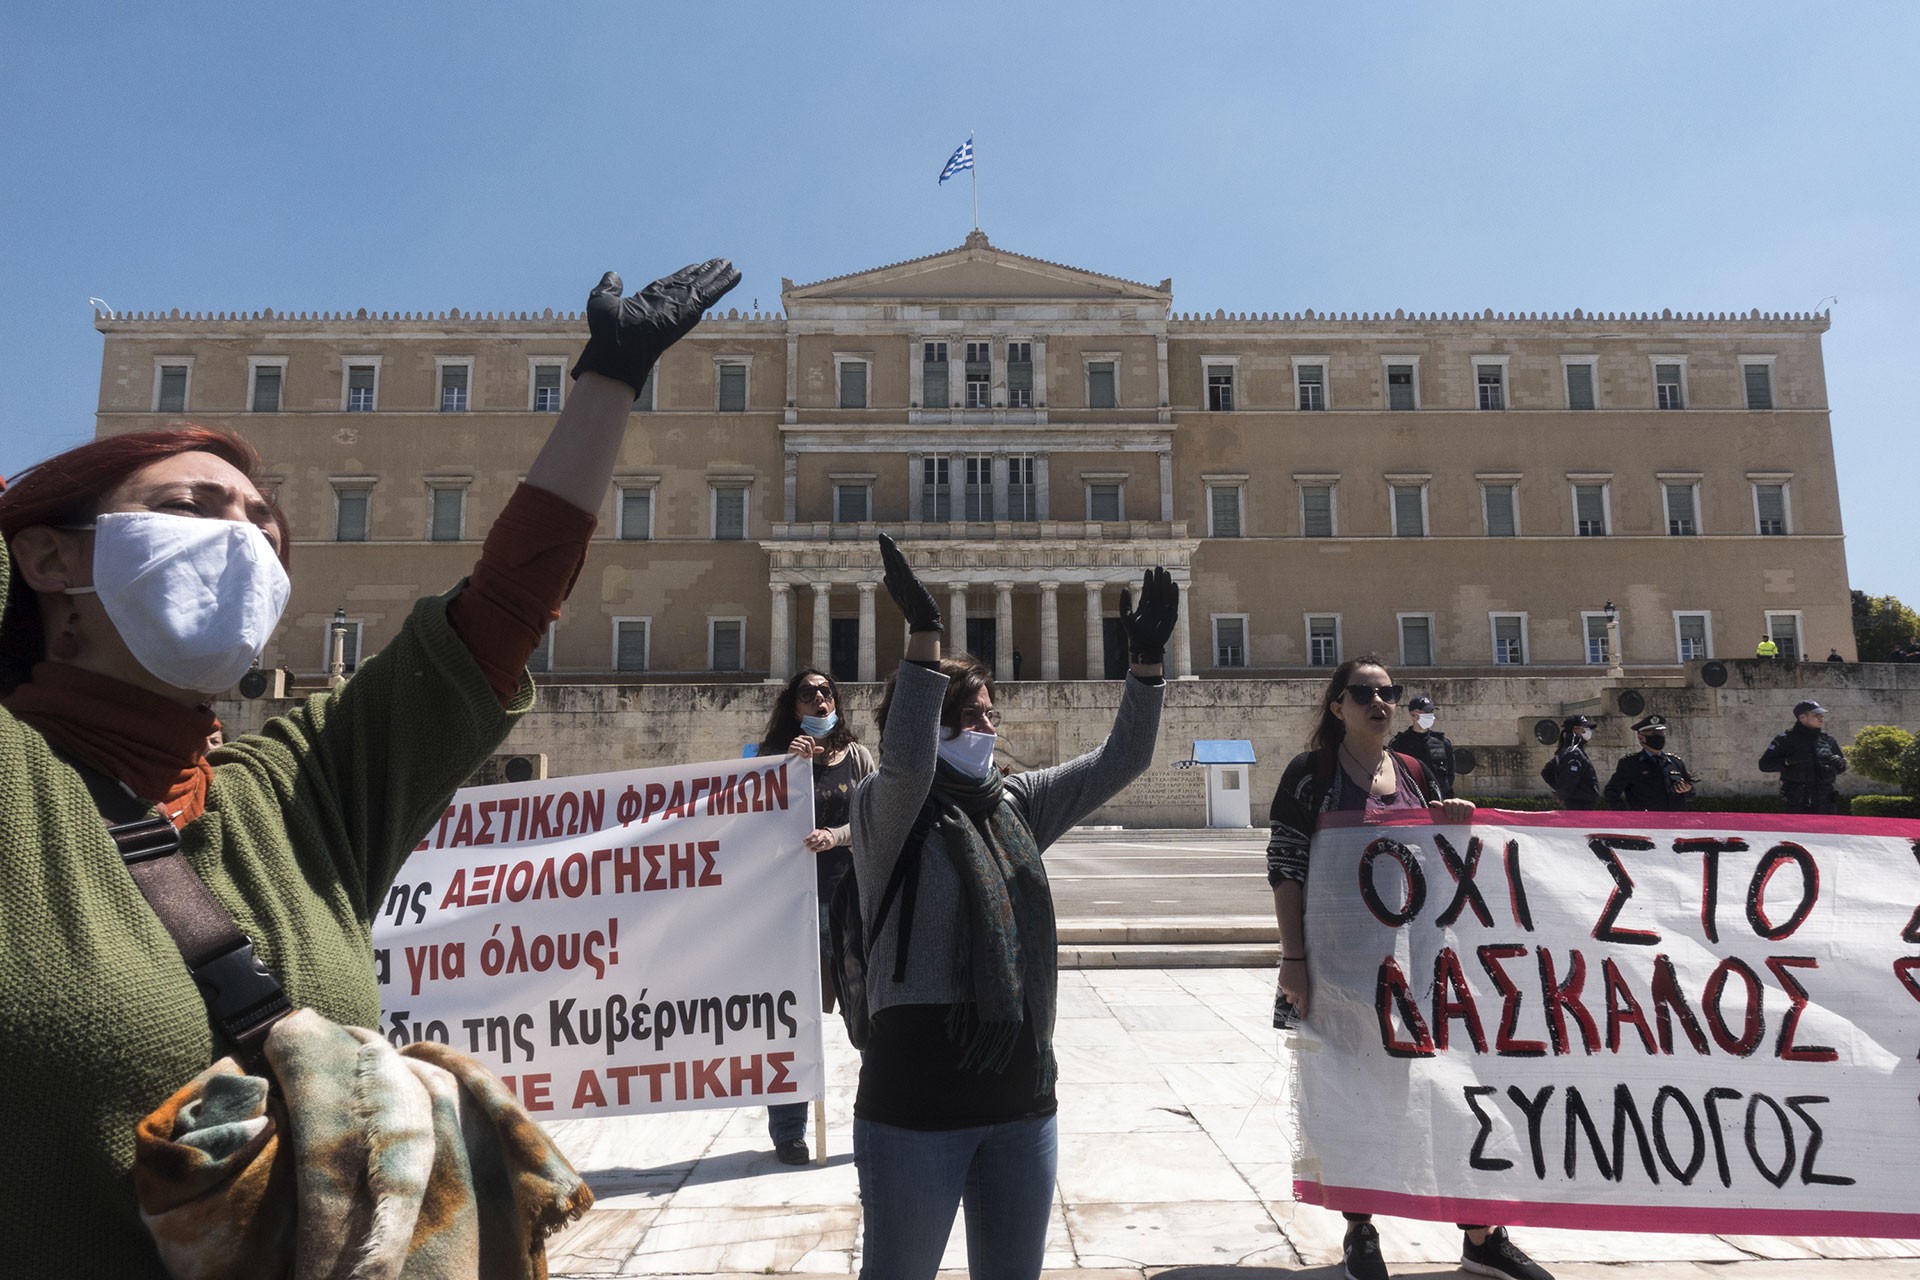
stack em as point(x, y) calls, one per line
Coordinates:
point(1574, 780)
point(1804, 758)
point(1432, 749)
point(1650, 782)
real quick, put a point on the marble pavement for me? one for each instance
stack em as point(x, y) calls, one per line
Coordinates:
point(1174, 1163)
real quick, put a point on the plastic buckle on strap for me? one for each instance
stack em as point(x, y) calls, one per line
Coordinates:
point(245, 998)
point(152, 837)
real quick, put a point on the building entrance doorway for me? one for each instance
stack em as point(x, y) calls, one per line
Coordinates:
point(843, 648)
point(982, 635)
point(1114, 641)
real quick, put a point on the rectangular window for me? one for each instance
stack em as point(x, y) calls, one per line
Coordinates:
point(1770, 509)
point(1019, 375)
point(979, 375)
point(1400, 391)
point(1596, 626)
point(1579, 386)
point(1690, 632)
point(1590, 510)
point(1509, 639)
point(546, 388)
point(1310, 382)
point(1101, 393)
point(171, 395)
point(1416, 641)
point(630, 644)
point(853, 384)
point(726, 644)
point(1500, 510)
point(636, 514)
point(1223, 510)
point(541, 659)
point(936, 490)
point(350, 515)
point(1409, 511)
point(730, 513)
point(1023, 500)
point(1667, 387)
point(1785, 630)
point(266, 388)
point(361, 380)
point(449, 514)
point(1220, 388)
point(1230, 641)
point(1316, 510)
point(1759, 380)
point(1681, 520)
point(643, 399)
point(979, 491)
point(1323, 641)
point(933, 375)
point(1103, 502)
point(733, 388)
point(1491, 382)
point(453, 387)
point(852, 503)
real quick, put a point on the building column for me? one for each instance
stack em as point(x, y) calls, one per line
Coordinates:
point(1003, 631)
point(1042, 485)
point(913, 487)
point(1182, 635)
point(1096, 642)
point(1049, 631)
point(1166, 485)
point(779, 629)
point(823, 625)
point(868, 661)
point(790, 486)
point(956, 619)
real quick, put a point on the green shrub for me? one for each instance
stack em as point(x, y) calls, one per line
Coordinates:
point(1876, 752)
point(1886, 807)
point(1909, 771)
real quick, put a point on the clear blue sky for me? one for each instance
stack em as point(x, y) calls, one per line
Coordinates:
point(1267, 156)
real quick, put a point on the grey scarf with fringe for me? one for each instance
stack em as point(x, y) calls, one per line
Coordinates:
point(1007, 948)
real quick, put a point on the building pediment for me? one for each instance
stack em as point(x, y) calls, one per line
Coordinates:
point(976, 272)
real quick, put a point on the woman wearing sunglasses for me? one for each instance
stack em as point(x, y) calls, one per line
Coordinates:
point(1347, 766)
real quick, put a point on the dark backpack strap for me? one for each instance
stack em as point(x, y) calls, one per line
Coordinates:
point(243, 997)
point(904, 883)
point(1417, 771)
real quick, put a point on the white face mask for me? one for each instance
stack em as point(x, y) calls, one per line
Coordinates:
point(1423, 721)
point(194, 599)
point(1583, 734)
point(814, 726)
point(971, 753)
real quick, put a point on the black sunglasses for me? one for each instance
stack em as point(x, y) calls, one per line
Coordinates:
point(814, 692)
point(1364, 694)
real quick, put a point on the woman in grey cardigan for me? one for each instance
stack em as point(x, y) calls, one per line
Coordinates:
point(956, 1095)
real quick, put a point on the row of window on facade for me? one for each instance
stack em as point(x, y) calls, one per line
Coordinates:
point(1105, 501)
point(360, 383)
point(1508, 641)
point(631, 651)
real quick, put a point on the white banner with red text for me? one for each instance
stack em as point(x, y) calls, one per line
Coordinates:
point(1661, 1022)
point(617, 943)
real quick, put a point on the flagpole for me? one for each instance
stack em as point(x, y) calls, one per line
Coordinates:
point(975, 167)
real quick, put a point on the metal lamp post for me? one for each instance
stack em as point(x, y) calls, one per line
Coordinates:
point(337, 650)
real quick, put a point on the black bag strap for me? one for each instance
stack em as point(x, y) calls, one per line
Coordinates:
point(243, 997)
point(904, 884)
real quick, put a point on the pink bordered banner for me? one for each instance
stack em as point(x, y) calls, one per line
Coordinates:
point(1656, 1022)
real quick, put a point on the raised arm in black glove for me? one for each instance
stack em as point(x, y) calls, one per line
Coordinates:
point(915, 601)
point(1149, 626)
point(626, 335)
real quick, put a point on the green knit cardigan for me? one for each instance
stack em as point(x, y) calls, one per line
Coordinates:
point(306, 825)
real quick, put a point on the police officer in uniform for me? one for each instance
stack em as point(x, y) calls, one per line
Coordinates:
point(1652, 778)
point(1570, 771)
point(1808, 760)
point(1426, 744)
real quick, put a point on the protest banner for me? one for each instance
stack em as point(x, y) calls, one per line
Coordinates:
point(1659, 1022)
point(617, 943)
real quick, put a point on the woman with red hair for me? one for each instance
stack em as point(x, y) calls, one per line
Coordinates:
point(143, 574)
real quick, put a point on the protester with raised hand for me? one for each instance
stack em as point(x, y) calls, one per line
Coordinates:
point(144, 573)
point(956, 1100)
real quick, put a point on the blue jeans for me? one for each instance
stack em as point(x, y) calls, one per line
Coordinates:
point(787, 1121)
point(912, 1181)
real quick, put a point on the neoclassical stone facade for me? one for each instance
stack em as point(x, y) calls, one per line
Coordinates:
point(1461, 493)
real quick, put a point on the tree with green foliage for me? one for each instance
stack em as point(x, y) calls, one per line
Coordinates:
point(1882, 624)
point(1876, 752)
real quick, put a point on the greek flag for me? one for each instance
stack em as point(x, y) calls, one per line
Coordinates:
point(960, 161)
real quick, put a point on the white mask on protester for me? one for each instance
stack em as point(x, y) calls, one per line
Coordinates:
point(815, 726)
point(194, 599)
point(969, 752)
point(1584, 735)
point(1423, 721)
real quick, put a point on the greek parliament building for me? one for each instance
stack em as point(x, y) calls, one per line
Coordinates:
point(1463, 494)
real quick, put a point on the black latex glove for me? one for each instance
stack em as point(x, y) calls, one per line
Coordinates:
point(626, 335)
point(915, 601)
point(1149, 626)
